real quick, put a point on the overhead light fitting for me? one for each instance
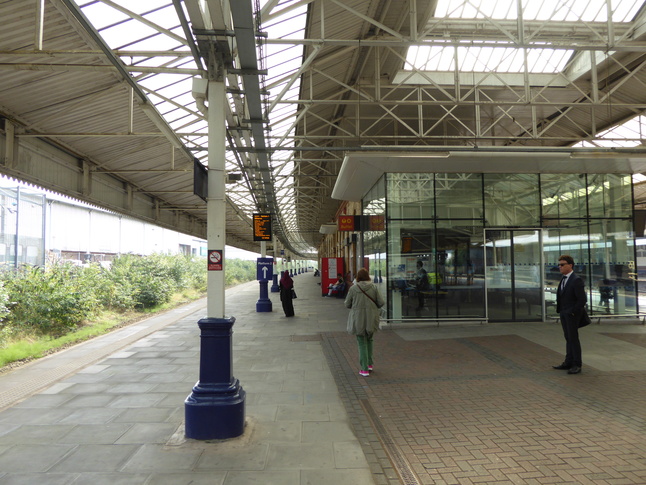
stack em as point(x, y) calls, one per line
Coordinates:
point(607, 154)
point(424, 155)
point(328, 229)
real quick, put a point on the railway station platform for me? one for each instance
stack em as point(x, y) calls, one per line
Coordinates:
point(446, 404)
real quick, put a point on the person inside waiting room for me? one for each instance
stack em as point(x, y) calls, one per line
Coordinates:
point(606, 293)
point(335, 288)
point(421, 283)
point(364, 301)
point(570, 305)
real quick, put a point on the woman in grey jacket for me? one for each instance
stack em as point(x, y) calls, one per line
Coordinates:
point(364, 301)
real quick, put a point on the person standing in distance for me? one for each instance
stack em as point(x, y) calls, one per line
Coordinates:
point(570, 305)
point(286, 287)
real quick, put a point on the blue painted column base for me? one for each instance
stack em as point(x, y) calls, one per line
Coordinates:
point(215, 413)
point(274, 287)
point(264, 303)
point(216, 407)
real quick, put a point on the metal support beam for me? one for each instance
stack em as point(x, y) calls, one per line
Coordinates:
point(9, 142)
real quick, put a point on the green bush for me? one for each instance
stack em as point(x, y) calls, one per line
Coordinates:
point(5, 330)
point(48, 301)
point(197, 272)
point(56, 300)
point(239, 271)
point(112, 289)
point(150, 278)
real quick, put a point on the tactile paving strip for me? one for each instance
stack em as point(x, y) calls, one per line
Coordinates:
point(386, 461)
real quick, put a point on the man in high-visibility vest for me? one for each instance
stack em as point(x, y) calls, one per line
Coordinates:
point(435, 280)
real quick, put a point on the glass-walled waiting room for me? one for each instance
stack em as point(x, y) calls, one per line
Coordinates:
point(489, 243)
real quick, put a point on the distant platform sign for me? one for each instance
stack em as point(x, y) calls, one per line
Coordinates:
point(265, 269)
point(262, 227)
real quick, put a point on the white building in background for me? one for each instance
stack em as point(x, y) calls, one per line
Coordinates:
point(37, 226)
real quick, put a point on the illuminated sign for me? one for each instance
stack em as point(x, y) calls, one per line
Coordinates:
point(262, 227)
point(361, 223)
point(377, 223)
point(407, 244)
point(346, 223)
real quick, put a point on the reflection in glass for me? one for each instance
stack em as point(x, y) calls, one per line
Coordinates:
point(374, 236)
point(410, 195)
point(511, 199)
point(458, 196)
point(563, 195)
point(513, 276)
point(610, 195)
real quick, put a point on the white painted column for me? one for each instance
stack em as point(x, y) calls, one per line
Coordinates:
point(216, 202)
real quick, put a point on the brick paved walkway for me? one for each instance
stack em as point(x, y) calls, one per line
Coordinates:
point(489, 409)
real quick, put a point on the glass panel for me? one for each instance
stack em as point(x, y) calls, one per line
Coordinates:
point(526, 252)
point(610, 195)
point(563, 195)
point(458, 196)
point(499, 275)
point(570, 238)
point(410, 195)
point(613, 284)
point(460, 268)
point(511, 199)
point(514, 289)
point(374, 239)
point(408, 243)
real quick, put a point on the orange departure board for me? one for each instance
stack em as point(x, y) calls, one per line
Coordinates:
point(262, 227)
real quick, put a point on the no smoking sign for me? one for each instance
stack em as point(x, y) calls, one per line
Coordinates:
point(215, 260)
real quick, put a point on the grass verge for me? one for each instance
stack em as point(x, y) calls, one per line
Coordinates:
point(26, 348)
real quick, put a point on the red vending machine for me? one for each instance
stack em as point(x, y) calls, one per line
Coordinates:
point(331, 267)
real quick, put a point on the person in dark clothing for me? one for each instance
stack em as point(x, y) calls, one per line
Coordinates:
point(286, 286)
point(421, 284)
point(570, 304)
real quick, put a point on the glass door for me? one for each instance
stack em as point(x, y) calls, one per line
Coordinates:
point(513, 275)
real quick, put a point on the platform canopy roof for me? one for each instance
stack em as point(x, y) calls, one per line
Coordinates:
point(96, 96)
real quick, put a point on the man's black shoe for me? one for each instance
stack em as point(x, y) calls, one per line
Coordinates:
point(563, 366)
point(574, 370)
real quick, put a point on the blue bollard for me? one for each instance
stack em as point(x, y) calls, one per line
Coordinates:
point(216, 407)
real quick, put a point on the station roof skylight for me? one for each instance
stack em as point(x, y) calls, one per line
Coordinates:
point(503, 58)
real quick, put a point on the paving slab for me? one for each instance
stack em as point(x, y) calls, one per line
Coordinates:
point(449, 403)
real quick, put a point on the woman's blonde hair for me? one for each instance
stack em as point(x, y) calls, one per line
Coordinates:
point(363, 275)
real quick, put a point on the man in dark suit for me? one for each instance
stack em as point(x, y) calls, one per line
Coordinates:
point(570, 304)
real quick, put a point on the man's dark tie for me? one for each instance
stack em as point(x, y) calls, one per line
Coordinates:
point(562, 283)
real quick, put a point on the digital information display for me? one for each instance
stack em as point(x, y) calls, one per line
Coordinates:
point(262, 227)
